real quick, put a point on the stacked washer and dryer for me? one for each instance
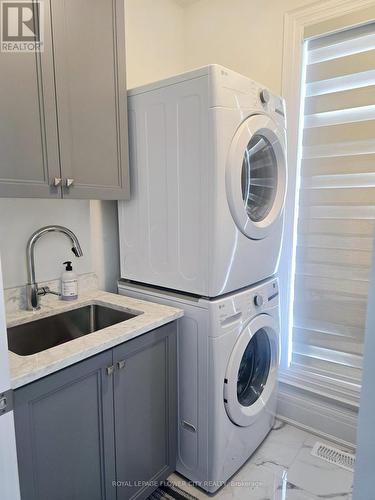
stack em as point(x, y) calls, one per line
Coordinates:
point(203, 232)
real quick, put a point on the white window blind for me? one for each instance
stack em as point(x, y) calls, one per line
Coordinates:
point(336, 205)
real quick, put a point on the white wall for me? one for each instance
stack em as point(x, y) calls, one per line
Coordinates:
point(94, 223)
point(105, 251)
point(154, 40)
point(244, 35)
point(19, 218)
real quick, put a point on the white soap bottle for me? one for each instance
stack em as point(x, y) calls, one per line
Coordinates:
point(69, 283)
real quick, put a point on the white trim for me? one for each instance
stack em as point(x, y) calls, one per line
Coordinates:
point(344, 392)
point(295, 23)
point(327, 418)
point(327, 437)
point(8, 453)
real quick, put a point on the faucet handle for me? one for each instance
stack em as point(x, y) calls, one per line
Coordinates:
point(44, 290)
point(69, 182)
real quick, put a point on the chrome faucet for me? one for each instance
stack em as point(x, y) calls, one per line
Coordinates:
point(33, 292)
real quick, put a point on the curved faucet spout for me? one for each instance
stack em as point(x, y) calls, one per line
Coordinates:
point(32, 286)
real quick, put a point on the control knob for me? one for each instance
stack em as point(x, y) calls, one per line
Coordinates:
point(258, 300)
point(264, 96)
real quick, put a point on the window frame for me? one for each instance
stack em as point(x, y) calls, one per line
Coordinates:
point(296, 24)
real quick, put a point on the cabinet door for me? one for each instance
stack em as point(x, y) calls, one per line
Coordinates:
point(89, 52)
point(145, 411)
point(65, 436)
point(29, 159)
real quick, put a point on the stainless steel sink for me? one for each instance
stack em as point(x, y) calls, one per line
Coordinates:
point(45, 333)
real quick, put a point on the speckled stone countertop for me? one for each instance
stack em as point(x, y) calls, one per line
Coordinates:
point(25, 369)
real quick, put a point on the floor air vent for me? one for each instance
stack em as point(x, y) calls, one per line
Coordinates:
point(334, 456)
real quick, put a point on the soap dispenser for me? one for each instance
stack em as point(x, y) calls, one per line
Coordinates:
point(69, 283)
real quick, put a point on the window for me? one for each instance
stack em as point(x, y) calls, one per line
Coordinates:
point(336, 210)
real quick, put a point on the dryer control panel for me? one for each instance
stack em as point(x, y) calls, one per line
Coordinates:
point(232, 310)
point(230, 89)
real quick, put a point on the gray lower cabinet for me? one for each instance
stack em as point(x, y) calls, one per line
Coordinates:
point(90, 433)
point(145, 415)
point(63, 132)
point(65, 434)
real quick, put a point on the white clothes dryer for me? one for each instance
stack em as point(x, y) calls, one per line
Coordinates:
point(208, 182)
point(228, 355)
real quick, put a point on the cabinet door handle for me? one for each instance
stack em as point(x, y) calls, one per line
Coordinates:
point(69, 182)
point(121, 364)
point(109, 370)
point(56, 181)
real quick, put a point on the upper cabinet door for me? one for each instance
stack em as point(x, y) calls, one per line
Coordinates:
point(29, 156)
point(89, 54)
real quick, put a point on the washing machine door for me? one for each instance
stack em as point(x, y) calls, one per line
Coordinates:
point(256, 176)
point(251, 375)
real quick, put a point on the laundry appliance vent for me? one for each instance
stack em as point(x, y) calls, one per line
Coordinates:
point(334, 455)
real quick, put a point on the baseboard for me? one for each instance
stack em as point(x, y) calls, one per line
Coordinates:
point(327, 418)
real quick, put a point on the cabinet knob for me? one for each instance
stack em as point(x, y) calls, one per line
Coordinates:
point(121, 364)
point(109, 370)
point(69, 182)
point(56, 181)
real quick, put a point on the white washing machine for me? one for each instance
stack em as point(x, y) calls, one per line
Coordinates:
point(208, 181)
point(228, 353)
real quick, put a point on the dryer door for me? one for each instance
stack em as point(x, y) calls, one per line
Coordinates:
point(256, 176)
point(251, 374)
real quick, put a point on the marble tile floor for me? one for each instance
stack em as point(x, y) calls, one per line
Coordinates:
point(282, 469)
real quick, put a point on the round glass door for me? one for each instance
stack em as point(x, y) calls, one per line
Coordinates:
point(254, 369)
point(259, 178)
point(251, 374)
point(256, 176)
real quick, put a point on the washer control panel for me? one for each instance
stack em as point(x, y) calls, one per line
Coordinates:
point(234, 309)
